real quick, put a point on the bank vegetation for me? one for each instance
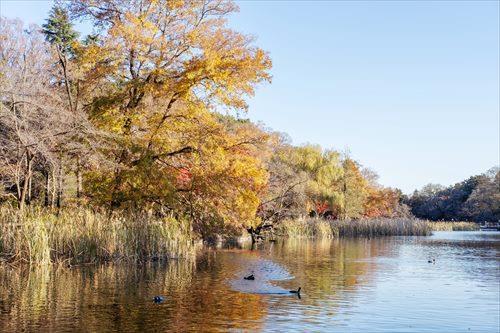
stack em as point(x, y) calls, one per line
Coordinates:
point(454, 226)
point(321, 228)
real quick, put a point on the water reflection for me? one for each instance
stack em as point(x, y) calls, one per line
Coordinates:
point(265, 273)
point(380, 284)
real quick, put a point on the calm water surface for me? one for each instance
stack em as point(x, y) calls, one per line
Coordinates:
point(377, 285)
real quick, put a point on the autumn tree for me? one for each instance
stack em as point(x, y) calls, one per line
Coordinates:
point(382, 202)
point(324, 170)
point(306, 176)
point(285, 194)
point(353, 189)
point(160, 71)
point(331, 186)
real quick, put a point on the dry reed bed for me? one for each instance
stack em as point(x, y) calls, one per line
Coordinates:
point(78, 235)
point(354, 228)
point(454, 226)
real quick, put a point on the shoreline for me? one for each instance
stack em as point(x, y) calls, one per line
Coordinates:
point(81, 236)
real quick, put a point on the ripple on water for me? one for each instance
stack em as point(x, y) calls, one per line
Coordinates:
point(265, 272)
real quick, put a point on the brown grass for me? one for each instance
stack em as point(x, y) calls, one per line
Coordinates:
point(78, 235)
point(454, 226)
point(354, 228)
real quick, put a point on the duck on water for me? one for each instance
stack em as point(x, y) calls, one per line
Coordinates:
point(158, 299)
point(252, 277)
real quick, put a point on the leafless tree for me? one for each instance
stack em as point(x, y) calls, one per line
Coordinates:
point(34, 124)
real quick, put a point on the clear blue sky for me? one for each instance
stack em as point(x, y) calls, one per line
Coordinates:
point(410, 88)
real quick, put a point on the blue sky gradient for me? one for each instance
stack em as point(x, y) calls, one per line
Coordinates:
point(410, 88)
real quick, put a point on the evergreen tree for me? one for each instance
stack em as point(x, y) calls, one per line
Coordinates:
point(59, 31)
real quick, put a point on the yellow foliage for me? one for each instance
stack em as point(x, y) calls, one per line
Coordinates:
point(158, 72)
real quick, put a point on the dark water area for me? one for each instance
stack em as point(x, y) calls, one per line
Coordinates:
point(348, 285)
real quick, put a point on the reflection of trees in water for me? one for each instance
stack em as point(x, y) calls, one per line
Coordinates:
point(198, 294)
point(220, 306)
point(23, 295)
point(50, 298)
point(119, 298)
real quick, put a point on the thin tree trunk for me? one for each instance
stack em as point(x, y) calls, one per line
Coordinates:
point(63, 62)
point(59, 184)
point(54, 189)
point(47, 189)
point(18, 187)
point(28, 196)
point(345, 200)
point(27, 177)
point(18, 179)
point(79, 183)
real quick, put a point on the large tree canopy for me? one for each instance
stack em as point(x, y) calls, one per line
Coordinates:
point(160, 70)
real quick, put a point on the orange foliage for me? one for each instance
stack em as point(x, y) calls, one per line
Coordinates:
point(183, 178)
point(381, 202)
point(321, 207)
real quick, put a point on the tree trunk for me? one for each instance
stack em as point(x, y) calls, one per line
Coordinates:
point(59, 184)
point(79, 183)
point(53, 189)
point(18, 188)
point(27, 178)
point(344, 192)
point(28, 196)
point(63, 61)
point(47, 201)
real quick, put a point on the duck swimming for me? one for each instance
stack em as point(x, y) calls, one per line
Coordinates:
point(433, 261)
point(250, 277)
point(158, 299)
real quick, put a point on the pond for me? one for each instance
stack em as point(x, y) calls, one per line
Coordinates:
point(355, 285)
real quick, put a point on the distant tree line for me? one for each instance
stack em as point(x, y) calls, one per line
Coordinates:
point(474, 199)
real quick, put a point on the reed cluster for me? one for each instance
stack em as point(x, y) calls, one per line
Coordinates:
point(78, 235)
point(454, 226)
point(353, 228)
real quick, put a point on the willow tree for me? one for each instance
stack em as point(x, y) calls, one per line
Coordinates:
point(159, 71)
point(285, 194)
point(354, 190)
point(324, 169)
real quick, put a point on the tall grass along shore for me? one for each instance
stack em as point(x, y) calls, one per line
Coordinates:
point(454, 226)
point(78, 235)
point(353, 228)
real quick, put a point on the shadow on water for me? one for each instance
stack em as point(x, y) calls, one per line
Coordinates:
point(348, 284)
